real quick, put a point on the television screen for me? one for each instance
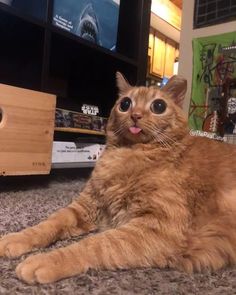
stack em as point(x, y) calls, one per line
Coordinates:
point(35, 8)
point(93, 20)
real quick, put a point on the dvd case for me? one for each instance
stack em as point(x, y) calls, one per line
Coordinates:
point(93, 20)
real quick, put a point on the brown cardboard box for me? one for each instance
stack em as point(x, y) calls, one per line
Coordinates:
point(26, 131)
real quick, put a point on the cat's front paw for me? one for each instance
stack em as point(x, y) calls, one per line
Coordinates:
point(14, 245)
point(40, 268)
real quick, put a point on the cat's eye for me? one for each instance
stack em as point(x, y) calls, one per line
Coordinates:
point(158, 106)
point(125, 104)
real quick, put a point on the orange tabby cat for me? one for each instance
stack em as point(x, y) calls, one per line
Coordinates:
point(159, 196)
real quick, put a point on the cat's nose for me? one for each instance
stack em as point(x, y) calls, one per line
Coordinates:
point(136, 116)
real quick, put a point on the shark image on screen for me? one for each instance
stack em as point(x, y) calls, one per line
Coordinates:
point(93, 20)
point(88, 26)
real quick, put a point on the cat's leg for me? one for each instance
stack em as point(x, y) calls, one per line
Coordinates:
point(76, 219)
point(210, 247)
point(125, 247)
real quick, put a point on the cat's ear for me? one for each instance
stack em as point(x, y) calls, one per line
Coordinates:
point(176, 87)
point(122, 84)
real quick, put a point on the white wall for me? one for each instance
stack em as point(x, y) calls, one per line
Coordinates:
point(187, 34)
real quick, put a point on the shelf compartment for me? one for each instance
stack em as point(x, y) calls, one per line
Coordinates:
point(75, 71)
point(90, 45)
point(21, 52)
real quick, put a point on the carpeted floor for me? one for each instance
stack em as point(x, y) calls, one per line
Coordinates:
point(25, 201)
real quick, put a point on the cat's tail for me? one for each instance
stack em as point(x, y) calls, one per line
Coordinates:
point(210, 247)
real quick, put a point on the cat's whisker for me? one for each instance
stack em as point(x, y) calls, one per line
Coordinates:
point(166, 136)
point(120, 129)
point(163, 143)
point(161, 137)
point(160, 140)
point(166, 144)
point(157, 135)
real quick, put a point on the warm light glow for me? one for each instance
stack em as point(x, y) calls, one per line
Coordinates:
point(167, 11)
point(176, 68)
point(160, 9)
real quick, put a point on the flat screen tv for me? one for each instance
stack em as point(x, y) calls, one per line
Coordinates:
point(35, 8)
point(93, 20)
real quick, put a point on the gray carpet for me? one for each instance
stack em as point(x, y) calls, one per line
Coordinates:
point(25, 201)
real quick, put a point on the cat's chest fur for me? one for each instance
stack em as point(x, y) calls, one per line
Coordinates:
point(124, 182)
point(125, 166)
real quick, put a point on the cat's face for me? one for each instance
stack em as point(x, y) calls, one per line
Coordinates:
point(144, 115)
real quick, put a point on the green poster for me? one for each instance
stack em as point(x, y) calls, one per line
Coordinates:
point(214, 66)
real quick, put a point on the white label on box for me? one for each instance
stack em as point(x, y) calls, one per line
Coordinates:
point(69, 152)
point(90, 110)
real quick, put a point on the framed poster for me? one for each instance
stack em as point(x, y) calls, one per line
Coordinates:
point(214, 66)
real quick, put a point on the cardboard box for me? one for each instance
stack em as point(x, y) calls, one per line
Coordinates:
point(26, 131)
point(71, 152)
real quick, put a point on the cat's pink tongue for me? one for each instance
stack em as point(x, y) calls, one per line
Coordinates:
point(135, 130)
